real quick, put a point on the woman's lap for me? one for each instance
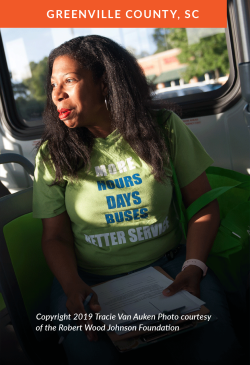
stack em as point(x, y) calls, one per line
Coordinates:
point(211, 344)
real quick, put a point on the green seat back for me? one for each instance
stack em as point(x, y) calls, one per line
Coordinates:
point(233, 197)
point(23, 239)
point(2, 304)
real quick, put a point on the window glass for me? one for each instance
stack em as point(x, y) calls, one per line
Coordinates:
point(194, 90)
point(176, 62)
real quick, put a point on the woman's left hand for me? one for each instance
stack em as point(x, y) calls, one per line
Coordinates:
point(189, 280)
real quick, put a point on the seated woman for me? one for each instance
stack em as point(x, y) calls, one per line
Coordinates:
point(103, 188)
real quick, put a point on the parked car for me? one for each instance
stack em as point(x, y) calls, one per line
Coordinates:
point(173, 92)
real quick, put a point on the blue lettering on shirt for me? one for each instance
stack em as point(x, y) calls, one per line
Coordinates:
point(128, 181)
point(136, 214)
point(127, 198)
point(128, 215)
point(137, 199)
point(137, 179)
point(101, 185)
point(120, 201)
point(109, 218)
point(111, 202)
point(143, 212)
point(119, 183)
point(119, 217)
point(110, 184)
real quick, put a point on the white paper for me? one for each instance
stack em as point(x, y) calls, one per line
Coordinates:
point(177, 300)
point(140, 293)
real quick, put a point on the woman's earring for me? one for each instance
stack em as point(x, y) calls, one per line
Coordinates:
point(106, 103)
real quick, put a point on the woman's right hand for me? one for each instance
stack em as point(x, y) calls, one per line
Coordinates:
point(76, 295)
point(58, 241)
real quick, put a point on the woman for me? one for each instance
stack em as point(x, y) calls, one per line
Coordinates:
point(103, 189)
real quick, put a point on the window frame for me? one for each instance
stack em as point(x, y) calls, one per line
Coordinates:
point(196, 105)
point(17, 126)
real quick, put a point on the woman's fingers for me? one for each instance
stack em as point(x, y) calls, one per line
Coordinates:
point(188, 280)
point(78, 313)
point(173, 289)
point(94, 304)
point(178, 284)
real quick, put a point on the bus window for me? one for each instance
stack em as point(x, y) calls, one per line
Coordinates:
point(193, 60)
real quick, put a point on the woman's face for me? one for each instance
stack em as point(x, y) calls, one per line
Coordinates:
point(78, 98)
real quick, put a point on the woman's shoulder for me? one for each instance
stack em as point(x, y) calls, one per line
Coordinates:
point(42, 151)
point(164, 117)
point(43, 160)
point(168, 121)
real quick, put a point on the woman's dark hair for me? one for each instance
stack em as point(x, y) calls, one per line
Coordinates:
point(129, 101)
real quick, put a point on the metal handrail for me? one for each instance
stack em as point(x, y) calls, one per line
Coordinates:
point(16, 158)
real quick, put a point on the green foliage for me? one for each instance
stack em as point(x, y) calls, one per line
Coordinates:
point(208, 55)
point(30, 94)
point(160, 37)
point(36, 83)
point(29, 108)
point(20, 89)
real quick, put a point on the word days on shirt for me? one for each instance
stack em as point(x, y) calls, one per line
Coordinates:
point(121, 200)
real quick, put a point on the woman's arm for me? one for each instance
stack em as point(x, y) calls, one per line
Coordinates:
point(202, 230)
point(203, 226)
point(58, 249)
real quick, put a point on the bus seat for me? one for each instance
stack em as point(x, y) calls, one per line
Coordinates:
point(25, 278)
point(29, 167)
point(2, 304)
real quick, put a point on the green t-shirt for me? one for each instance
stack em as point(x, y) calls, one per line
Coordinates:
point(122, 218)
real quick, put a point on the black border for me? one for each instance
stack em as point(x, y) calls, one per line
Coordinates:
point(46, 351)
point(210, 103)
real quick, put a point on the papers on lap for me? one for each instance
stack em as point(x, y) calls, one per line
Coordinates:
point(134, 295)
